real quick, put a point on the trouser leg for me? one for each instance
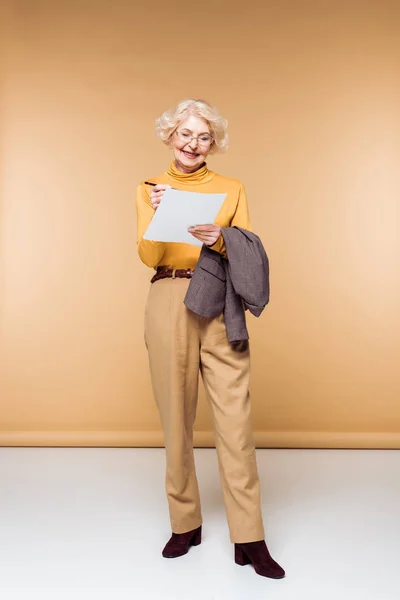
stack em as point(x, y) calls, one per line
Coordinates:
point(172, 339)
point(226, 374)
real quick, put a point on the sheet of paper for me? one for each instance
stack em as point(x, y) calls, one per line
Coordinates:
point(179, 210)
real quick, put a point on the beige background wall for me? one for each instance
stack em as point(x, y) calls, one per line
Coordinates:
point(311, 91)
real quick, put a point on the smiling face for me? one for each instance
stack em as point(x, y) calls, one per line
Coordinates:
point(190, 153)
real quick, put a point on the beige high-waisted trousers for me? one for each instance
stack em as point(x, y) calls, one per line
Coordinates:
point(180, 345)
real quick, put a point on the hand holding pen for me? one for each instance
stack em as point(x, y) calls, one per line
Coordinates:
point(157, 193)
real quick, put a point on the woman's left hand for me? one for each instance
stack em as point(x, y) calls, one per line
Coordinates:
point(208, 234)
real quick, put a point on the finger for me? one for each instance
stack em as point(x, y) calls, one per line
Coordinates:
point(159, 194)
point(207, 228)
point(206, 237)
point(208, 240)
point(213, 233)
point(161, 187)
point(156, 197)
point(202, 234)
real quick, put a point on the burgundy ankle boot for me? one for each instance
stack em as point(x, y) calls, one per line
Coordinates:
point(256, 554)
point(180, 543)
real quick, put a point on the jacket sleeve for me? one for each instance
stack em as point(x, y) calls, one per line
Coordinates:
point(149, 252)
point(241, 218)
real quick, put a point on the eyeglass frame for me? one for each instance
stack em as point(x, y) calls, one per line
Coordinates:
point(196, 137)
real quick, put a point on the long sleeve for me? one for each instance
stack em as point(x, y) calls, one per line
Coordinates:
point(149, 252)
point(241, 218)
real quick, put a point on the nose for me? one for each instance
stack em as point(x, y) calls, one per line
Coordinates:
point(193, 143)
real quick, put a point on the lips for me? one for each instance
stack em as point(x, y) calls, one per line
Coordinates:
point(190, 154)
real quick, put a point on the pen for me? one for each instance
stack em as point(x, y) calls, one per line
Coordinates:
point(151, 183)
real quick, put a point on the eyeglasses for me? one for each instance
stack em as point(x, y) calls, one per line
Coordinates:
point(204, 139)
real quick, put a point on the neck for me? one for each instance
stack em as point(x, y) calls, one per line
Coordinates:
point(189, 177)
point(187, 170)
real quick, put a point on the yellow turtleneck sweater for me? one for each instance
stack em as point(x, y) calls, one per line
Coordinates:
point(234, 211)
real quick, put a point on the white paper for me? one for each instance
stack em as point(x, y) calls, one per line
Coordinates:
point(178, 211)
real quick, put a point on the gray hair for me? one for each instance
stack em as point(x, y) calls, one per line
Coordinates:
point(168, 122)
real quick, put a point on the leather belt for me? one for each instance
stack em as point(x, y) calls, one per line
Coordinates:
point(164, 272)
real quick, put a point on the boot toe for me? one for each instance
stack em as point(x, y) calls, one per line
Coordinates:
point(168, 553)
point(179, 543)
point(258, 555)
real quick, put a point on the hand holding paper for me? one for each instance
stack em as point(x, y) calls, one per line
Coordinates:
point(207, 234)
point(179, 211)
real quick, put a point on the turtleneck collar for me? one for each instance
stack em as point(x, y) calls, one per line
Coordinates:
point(202, 175)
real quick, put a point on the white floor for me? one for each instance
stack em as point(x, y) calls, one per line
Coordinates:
point(91, 522)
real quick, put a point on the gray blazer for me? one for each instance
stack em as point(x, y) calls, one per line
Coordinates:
point(231, 285)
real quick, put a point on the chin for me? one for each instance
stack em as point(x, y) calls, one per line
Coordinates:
point(189, 164)
point(189, 161)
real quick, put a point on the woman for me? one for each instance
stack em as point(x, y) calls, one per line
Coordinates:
point(181, 344)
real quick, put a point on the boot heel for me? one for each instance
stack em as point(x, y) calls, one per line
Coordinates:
point(240, 557)
point(196, 540)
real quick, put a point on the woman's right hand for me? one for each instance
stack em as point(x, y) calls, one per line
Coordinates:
point(157, 193)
